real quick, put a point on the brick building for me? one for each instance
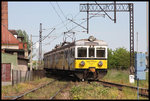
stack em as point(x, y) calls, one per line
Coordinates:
point(12, 45)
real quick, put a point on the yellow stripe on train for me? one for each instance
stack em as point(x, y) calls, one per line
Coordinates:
point(90, 63)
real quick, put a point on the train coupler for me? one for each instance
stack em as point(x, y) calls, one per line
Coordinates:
point(92, 69)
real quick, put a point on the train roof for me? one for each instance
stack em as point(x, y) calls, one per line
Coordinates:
point(86, 42)
point(82, 42)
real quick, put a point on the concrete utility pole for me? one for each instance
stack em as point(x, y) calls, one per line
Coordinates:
point(31, 55)
point(36, 65)
point(40, 44)
point(137, 42)
point(147, 20)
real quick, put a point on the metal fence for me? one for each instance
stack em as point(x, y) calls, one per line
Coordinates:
point(19, 76)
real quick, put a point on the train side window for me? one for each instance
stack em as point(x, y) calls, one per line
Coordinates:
point(100, 52)
point(82, 52)
point(91, 52)
point(73, 52)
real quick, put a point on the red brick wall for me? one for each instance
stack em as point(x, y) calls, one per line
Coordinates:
point(4, 13)
point(7, 37)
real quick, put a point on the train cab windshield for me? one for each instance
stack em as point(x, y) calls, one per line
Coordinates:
point(100, 52)
point(91, 52)
point(82, 52)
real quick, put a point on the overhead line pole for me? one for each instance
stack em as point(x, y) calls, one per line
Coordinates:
point(131, 16)
point(40, 44)
point(147, 20)
point(114, 11)
point(117, 7)
point(137, 42)
point(87, 18)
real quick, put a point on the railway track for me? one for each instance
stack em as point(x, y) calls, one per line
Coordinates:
point(142, 91)
point(45, 85)
point(22, 95)
point(52, 97)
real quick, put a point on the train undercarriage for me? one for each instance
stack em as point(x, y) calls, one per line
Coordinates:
point(90, 75)
point(80, 74)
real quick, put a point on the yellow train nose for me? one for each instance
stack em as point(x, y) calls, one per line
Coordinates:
point(86, 64)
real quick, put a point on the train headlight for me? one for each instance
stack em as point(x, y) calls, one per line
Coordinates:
point(82, 63)
point(100, 63)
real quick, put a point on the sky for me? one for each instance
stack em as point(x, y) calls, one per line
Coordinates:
point(28, 16)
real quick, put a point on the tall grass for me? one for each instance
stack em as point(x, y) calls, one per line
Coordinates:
point(97, 91)
point(122, 77)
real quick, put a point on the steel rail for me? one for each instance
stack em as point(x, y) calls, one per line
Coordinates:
point(51, 98)
point(20, 96)
point(143, 91)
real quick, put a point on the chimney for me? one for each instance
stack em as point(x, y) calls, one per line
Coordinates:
point(4, 16)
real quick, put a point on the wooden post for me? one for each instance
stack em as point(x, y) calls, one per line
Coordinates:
point(20, 76)
point(31, 55)
point(17, 76)
point(12, 78)
point(25, 76)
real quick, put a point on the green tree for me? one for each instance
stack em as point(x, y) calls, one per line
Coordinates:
point(111, 61)
point(26, 37)
point(122, 57)
point(119, 58)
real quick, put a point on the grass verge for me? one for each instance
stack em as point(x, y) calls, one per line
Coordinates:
point(122, 77)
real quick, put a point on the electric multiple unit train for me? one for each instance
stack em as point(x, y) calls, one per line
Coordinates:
point(85, 58)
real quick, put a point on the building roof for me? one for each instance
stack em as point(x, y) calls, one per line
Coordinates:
point(8, 37)
point(13, 32)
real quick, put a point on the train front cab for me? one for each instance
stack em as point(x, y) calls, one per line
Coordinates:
point(91, 61)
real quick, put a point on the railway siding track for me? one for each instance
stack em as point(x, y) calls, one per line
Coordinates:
point(142, 91)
